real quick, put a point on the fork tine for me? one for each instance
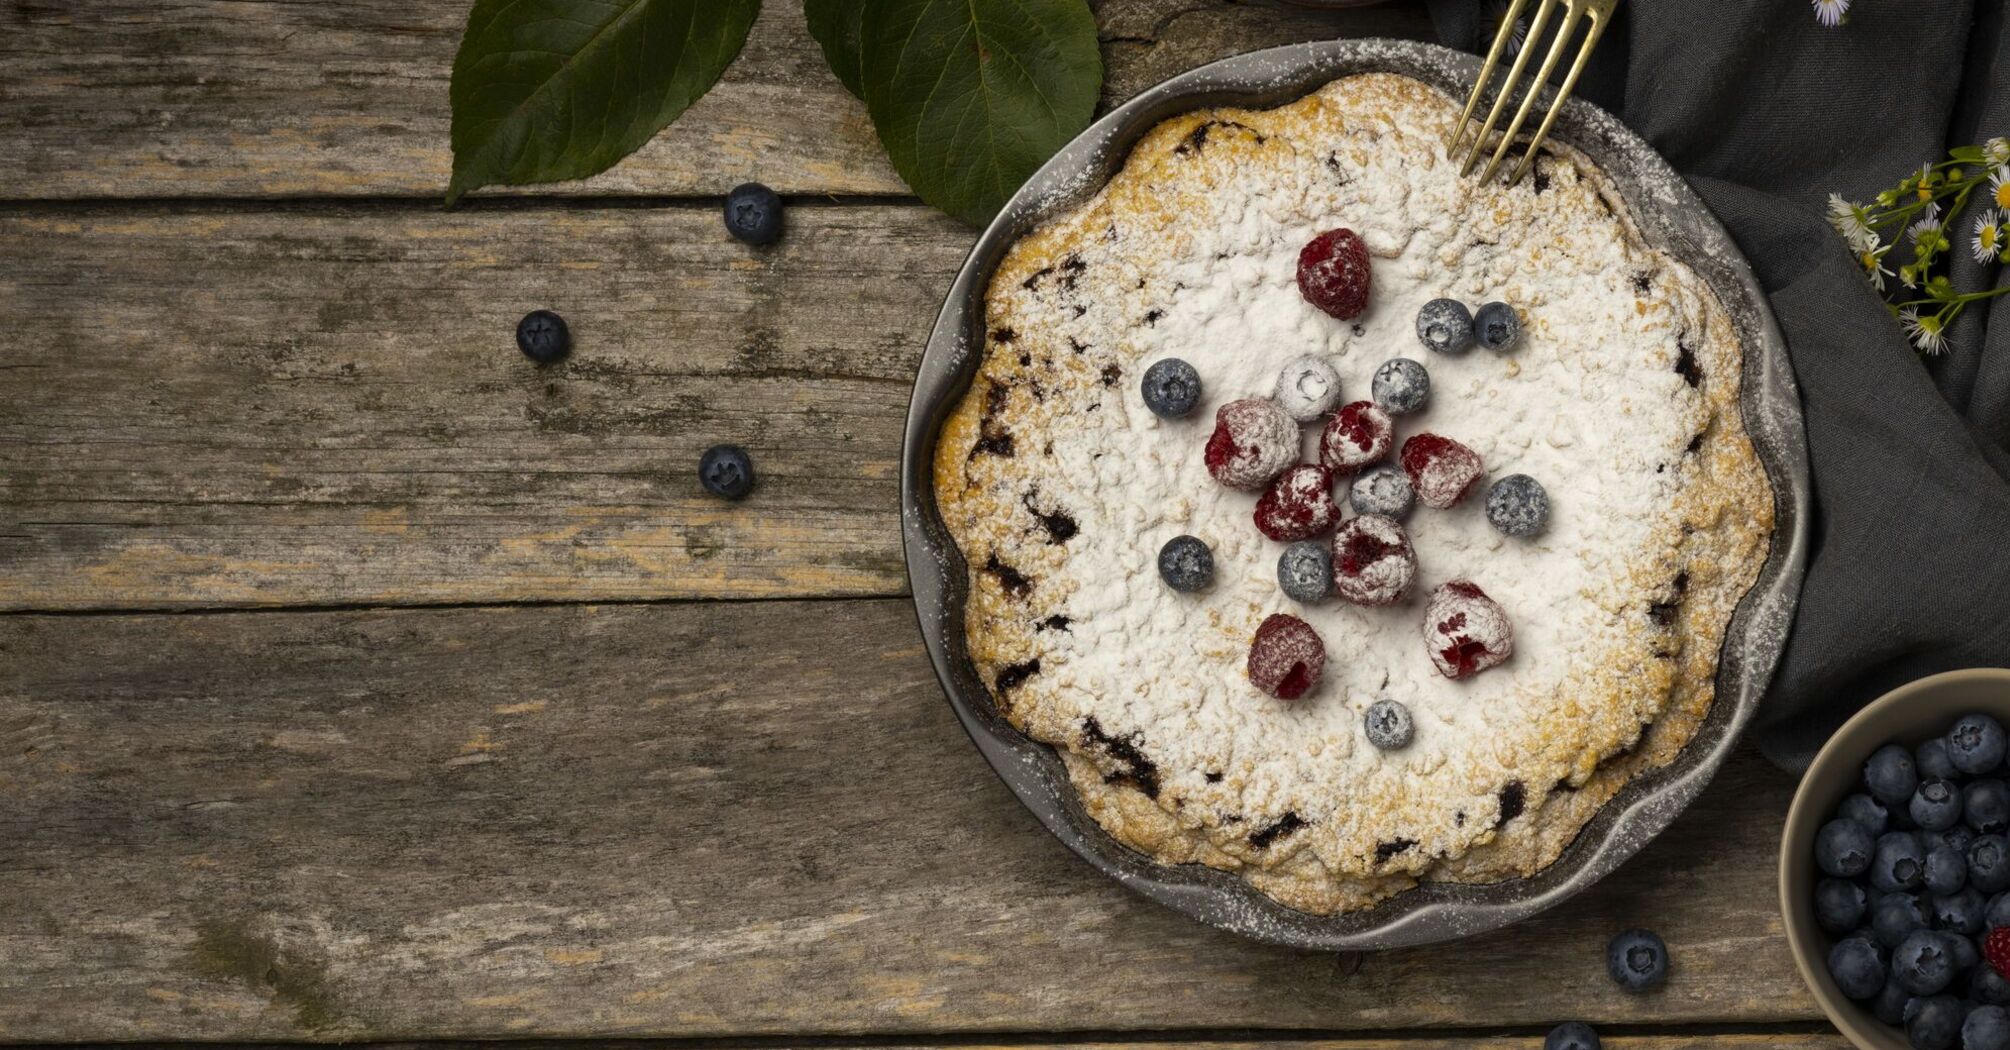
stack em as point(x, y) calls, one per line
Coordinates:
point(1601, 16)
point(1486, 73)
point(1563, 33)
point(1507, 87)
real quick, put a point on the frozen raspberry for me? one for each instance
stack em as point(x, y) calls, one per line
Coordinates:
point(1996, 949)
point(1373, 562)
point(1286, 657)
point(1467, 632)
point(1333, 273)
point(1298, 505)
point(1254, 440)
point(1441, 470)
point(1357, 435)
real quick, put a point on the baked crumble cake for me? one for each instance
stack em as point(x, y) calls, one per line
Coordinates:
point(1621, 397)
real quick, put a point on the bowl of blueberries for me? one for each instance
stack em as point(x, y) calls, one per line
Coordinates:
point(1895, 868)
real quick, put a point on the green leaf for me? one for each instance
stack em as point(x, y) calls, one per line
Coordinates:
point(545, 90)
point(971, 96)
point(835, 24)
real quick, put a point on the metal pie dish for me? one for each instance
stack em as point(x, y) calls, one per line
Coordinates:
point(1670, 217)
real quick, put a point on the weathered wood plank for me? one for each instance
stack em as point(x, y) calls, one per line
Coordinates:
point(710, 819)
point(1780, 1040)
point(125, 98)
point(324, 405)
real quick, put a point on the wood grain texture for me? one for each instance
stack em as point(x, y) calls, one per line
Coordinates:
point(679, 819)
point(121, 98)
point(325, 405)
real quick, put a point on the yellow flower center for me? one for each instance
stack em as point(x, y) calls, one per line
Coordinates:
point(2003, 194)
point(1987, 235)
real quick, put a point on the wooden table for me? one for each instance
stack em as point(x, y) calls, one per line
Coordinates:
point(360, 681)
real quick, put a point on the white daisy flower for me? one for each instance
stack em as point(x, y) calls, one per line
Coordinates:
point(1996, 151)
point(1925, 332)
point(1872, 261)
point(1830, 12)
point(1496, 14)
point(1927, 226)
point(1850, 219)
point(1999, 187)
point(1988, 239)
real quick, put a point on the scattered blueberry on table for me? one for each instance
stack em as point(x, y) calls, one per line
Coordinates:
point(1572, 1035)
point(1518, 505)
point(726, 471)
point(1496, 327)
point(1186, 563)
point(1922, 916)
point(1171, 388)
point(1446, 326)
point(1637, 959)
point(754, 214)
point(1401, 386)
point(543, 336)
point(1390, 727)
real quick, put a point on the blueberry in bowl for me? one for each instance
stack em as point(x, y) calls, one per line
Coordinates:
point(1895, 868)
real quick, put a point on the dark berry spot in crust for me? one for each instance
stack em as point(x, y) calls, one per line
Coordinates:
point(1060, 525)
point(1685, 362)
point(1112, 375)
point(1033, 281)
point(1339, 172)
point(1196, 140)
point(1212, 778)
point(1139, 771)
point(1262, 837)
point(1015, 675)
point(1359, 331)
point(1540, 180)
point(1071, 271)
point(1642, 282)
point(1459, 819)
point(1076, 344)
point(1391, 848)
point(1663, 613)
point(999, 444)
point(1026, 360)
point(1695, 444)
point(992, 437)
point(1056, 622)
point(1015, 582)
point(1152, 316)
point(1079, 311)
point(1003, 335)
point(1514, 800)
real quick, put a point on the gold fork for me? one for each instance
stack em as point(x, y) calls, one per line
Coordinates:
point(1597, 12)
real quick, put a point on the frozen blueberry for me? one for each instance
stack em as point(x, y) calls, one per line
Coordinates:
point(1843, 849)
point(1935, 1023)
point(543, 336)
point(1898, 863)
point(1985, 985)
point(1445, 325)
point(1496, 327)
point(1889, 1006)
point(1932, 761)
point(1858, 968)
point(1637, 959)
point(1946, 869)
point(1895, 916)
point(1385, 490)
point(1985, 806)
point(1936, 806)
point(1572, 1035)
point(1867, 811)
point(1171, 388)
point(1989, 864)
point(1308, 388)
point(1186, 564)
point(725, 470)
point(1305, 571)
point(1921, 963)
point(1517, 505)
point(1390, 727)
point(1891, 775)
point(1976, 744)
point(1840, 905)
point(1401, 386)
point(1987, 1028)
point(1961, 911)
point(754, 213)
